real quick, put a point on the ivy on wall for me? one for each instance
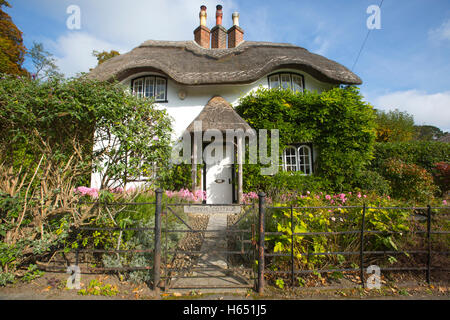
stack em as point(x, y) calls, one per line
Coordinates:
point(338, 122)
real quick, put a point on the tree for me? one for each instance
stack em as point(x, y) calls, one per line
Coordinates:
point(44, 63)
point(12, 50)
point(131, 138)
point(428, 133)
point(104, 55)
point(394, 126)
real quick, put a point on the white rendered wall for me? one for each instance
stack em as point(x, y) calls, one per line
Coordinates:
point(184, 111)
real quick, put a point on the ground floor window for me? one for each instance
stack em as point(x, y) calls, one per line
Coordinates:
point(298, 158)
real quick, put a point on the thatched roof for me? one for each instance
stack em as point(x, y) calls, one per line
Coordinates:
point(219, 114)
point(188, 63)
point(445, 138)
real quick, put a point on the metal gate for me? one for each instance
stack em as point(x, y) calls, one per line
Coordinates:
point(205, 246)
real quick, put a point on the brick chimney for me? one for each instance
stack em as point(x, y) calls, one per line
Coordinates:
point(202, 33)
point(218, 32)
point(235, 33)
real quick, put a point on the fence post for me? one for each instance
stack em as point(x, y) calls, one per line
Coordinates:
point(361, 249)
point(429, 244)
point(262, 197)
point(157, 249)
point(292, 247)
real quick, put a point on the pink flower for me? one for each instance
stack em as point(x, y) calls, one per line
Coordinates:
point(307, 192)
point(359, 195)
point(328, 197)
point(444, 202)
point(365, 196)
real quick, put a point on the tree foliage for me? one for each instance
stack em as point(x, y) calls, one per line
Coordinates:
point(428, 133)
point(394, 126)
point(104, 55)
point(12, 50)
point(44, 63)
point(57, 112)
point(338, 123)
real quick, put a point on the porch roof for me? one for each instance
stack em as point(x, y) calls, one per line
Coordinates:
point(219, 114)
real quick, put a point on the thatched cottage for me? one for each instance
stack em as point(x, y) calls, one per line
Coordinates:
point(203, 78)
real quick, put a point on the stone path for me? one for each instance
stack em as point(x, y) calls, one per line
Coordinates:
point(211, 269)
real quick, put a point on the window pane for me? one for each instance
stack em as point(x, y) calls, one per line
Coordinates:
point(285, 81)
point(160, 93)
point(304, 159)
point(290, 159)
point(138, 87)
point(274, 81)
point(297, 83)
point(149, 87)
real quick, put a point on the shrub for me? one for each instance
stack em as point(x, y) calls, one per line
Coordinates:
point(422, 153)
point(441, 173)
point(283, 183)
point(409, 181)
point(372, 181)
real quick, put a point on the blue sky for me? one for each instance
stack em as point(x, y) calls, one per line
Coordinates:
point(403, 65)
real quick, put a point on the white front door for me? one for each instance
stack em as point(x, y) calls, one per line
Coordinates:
point(219, 188)
point(219, 176)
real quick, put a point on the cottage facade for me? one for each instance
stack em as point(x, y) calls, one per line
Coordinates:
point(205, 77)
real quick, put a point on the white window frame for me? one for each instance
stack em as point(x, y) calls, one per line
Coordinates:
point(301, 157)
point(150, 87)
point(299, 165)
point(277, 78)
point(293, 167)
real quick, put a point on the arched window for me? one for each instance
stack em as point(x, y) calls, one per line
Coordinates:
point(298, 158)
point(290, 159)
point(286, 80)
point(150, 87)
point(304, 159)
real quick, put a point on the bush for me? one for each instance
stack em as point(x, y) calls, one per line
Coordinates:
point(422, 153)
point(441, 175)
point(372, 181)
point(282, 183)
point(409, 181)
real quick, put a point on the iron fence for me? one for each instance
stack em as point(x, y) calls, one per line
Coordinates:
point(362, 253)
point(256, 238)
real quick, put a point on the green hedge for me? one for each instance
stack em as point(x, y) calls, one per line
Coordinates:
point(422, 153)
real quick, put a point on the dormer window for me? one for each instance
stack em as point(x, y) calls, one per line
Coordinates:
point(150, 87)
point(286, 80)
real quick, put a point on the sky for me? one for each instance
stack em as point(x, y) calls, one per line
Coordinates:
point(404, 64)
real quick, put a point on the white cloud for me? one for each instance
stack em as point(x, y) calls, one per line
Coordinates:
point(322, 45)
point(430, 109)
point(73, 51)
point(122, 26)
point(442, 33)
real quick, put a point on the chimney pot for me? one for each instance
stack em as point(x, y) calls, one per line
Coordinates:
point(203, 16)
point(235, 33)
point(202, 33)
point(219, 15)
point(235, 17)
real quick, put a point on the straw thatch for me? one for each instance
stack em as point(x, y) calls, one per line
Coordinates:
point(188, 63)
point(219, 114)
